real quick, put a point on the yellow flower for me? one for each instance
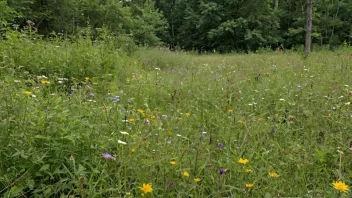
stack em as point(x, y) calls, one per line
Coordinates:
point(27, 93)
point(341, 186)
point(133, 77)
point(273, 174)
point(248, 170)
point(131, 120)
point(197, 179)
point(146, 188)
point(260, 119)
point(169, 133)
point(128, 193)
point(276, 115)
point(186, 174)
point(45, 82)
point(180, 118)
point(230, 111)
point(188, 114)
point(242, 161)
point(173, 162)
point(87, 78)
point(133, 150)
point(140, 111)
point(249, 185)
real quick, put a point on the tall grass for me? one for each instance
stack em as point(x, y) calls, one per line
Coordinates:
point(162, 116)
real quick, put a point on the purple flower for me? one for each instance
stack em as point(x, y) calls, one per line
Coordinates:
point(108, 156)
point(15, 26)
point(115, 99)
point(220, 145)
point(222, 171)
point(170, 184)
point(298, 86)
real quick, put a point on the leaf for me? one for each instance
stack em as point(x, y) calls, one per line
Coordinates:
point(45, 167)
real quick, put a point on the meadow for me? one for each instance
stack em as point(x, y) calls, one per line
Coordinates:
point(87, 119)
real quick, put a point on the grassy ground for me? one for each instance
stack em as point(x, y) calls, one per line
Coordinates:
point(85, 120)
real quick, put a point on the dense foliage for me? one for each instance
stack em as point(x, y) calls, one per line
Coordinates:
point(201, 25)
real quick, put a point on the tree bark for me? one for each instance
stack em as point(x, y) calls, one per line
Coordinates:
point(309, 27)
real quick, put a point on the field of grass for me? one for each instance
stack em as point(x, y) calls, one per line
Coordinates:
point(87, 120)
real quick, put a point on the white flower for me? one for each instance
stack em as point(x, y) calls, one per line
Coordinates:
point(281, 99)
point(157, 68)
point(250, 104)
point(121, 142)
point(124, 133)
point(347, 103)
point(178, 135)
point(124, 120)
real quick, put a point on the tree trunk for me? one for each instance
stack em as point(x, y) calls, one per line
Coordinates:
point(309, 27)
point(276, 5)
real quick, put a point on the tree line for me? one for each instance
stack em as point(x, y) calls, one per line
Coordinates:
point(203, 25)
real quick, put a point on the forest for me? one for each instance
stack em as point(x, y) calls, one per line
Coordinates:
point(202, 25)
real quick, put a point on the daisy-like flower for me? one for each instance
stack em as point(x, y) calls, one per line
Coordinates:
point(173, 162)
point(140, 111)
point(242, 161)
point(131, 120)
point(248, 170)
point(27, 93)
point(273, 174)
point(340, 186)
point(186, 174)
point(230, 110)
point(188, 114)
point(197, 179)
point(249, 185)
point(146, 188)
point(87, 78)
point(121, 142)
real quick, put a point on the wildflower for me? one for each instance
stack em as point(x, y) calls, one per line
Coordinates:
point(291, 117)
point(276, 115)
point(45, 82)
point(128, 193)
point(273, 174)
point(186, 174)
point(248, 170)
point(124, 133)
point(146, 188)
point(249, 185)
point(260, 119)
point(169, 133)
point(298, 86)
point(180, 118)
point(230, 111)
point(121, 142)
point(222, 171)
point(115, 99)
point(27, 93)
point(197, 179)
point(242, 161)
point(340, 186)
point(220, 145)
point(188, 114)
point(29, 22)
point(173, 162)
point(170, 184)
point(17, 81)
point(164, 117)
point(140, 111)
point(108, 156)
point(87, 78)
point(72, 158)
point(133, 150)
point(133, 77)
point(131, 120)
